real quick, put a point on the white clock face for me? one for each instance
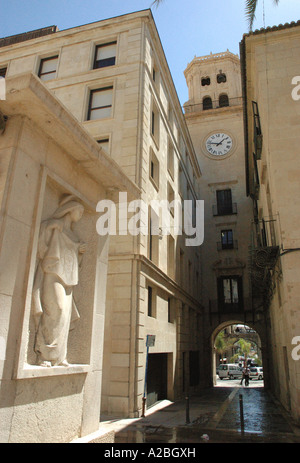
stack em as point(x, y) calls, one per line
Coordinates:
point(218, 144)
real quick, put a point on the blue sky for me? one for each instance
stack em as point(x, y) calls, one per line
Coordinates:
point(187, 28)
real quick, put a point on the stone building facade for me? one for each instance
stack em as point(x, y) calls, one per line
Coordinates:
point(214, 115)
point(118, 133)
point(270, 71)
point(53, 276)
point(91, 115)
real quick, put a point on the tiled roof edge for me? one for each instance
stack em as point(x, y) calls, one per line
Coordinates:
point(280, 27)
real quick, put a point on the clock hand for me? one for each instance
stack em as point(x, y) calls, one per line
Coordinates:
point(222, 141)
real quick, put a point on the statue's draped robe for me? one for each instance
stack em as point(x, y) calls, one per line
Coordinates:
point(53, 304)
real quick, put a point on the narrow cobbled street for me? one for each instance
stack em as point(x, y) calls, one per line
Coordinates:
point(229, 413)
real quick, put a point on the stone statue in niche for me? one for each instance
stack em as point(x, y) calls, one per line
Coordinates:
point(59, 258)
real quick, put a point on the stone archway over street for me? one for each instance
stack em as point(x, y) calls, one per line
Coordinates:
point(210, 351)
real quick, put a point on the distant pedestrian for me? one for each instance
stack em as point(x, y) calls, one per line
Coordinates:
point(245, 377)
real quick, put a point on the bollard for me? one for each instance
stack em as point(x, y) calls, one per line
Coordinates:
point(143, 406)
point(187, 410)
point(242, 414)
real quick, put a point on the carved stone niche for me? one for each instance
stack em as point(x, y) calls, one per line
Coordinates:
point(62, 285)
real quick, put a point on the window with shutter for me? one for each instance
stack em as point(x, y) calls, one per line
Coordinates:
point(224, 202)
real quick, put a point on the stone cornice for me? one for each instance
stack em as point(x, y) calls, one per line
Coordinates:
point(211, 58)
point(27, 96)
point(213, 113)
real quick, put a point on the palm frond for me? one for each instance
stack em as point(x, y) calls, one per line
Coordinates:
point(156, 2)
point(250, 11)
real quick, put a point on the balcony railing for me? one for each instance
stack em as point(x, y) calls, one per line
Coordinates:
point(216, 307)
point(224, 246)
point(263, 256)
point(258, 137)
point(264, 233)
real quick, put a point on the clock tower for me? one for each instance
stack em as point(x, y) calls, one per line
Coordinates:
point(214, 115)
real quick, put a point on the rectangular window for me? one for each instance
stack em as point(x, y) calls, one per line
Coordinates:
point(156, 76)
point(3, 72)
point(153, 123)
point(150, 301)
point(48, 68)
point(171, 197)
point(224, 202)
point(171, 159)
point(105, 55)
point(181, 180)
point(104, 143)
point(227, 239)
point(169, 309)
point(154, 168)
point(154, 127)
point(100, 103)
point(153, 236)
point(230, 293)
point(150, 240)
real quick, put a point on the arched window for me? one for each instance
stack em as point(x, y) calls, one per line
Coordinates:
point(223, 101)
point(207, 103)
point(205, 81)
point(221, 78)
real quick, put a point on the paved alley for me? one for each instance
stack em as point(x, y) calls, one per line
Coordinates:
point(213, 416)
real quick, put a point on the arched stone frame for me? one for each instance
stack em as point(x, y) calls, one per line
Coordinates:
point(238, 321)
point(227, 267)
point(207, 103)
point(223, 100)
